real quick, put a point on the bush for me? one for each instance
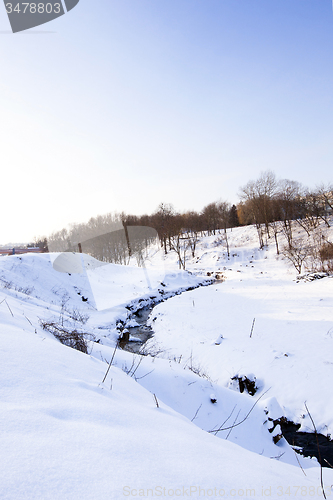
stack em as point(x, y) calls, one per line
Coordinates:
point(326, 257)
point(68, 336)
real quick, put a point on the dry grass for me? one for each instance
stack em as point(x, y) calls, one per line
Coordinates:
point(68, 336)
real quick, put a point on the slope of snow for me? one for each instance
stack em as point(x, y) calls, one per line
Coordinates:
point(290, 351)
point(67, 435)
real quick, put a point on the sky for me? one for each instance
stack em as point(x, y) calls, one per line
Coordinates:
point(120, 105)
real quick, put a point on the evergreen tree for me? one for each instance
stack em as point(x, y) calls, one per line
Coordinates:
point(233, 217)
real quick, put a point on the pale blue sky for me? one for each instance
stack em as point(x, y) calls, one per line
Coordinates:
point(122, 104)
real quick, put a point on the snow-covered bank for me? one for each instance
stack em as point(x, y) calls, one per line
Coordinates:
point(102, 293)
point(66, 435)
point(290, 350)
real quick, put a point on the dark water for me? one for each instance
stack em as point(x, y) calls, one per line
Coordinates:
point(142, 331)
point(312, 445)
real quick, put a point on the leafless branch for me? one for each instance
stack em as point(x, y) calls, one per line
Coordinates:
point(321, 467)
point(196, 413)
point(156, 401)
point(245, 418)
point(226, 420)
point(11, 312)
point(233, 424)
point(113, 355)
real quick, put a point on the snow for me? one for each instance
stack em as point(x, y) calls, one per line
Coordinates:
point(289, 352)
point(67, 435)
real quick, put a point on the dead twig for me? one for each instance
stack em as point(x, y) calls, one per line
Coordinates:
point(113, 355)
point(137, 366)
point(145, 375)
point(278, 456)
point(233, 425)
point(196, 413)
point(28, 319)
point(11, 312)
point(226, 420)
point(321, 467)
point(156, 401)
point(245, 418)
point(299, 463)
point(254, 319)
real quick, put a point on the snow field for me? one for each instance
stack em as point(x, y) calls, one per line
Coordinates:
point(66, 435)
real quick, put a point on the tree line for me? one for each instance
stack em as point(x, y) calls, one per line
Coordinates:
point(275, 207)
point(278, 207)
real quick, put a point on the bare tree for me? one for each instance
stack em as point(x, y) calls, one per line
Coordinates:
point(288, 197)
point(224, 211)
point(325, 196)
point(258, 197)
point(193, 226)
point(179, 241)
point(309, 211)
point(297, 254)
point(211, 217)
point(326, 256)
point(162, 221)
point(59, 241)
point(275, 223)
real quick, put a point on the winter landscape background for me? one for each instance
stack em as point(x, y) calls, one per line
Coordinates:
point(96, 421)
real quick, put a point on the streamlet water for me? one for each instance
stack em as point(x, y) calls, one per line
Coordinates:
point(308, 443)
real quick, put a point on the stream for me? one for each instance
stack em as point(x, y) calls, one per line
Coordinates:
point(307, 444)
point(134, 337)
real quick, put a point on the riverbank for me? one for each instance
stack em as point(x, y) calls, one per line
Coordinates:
point(71, 427)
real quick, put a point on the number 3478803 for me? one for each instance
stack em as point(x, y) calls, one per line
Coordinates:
point(33, 8)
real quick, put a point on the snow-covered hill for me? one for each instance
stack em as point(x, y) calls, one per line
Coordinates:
point(142, 432)
point(291, 347)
